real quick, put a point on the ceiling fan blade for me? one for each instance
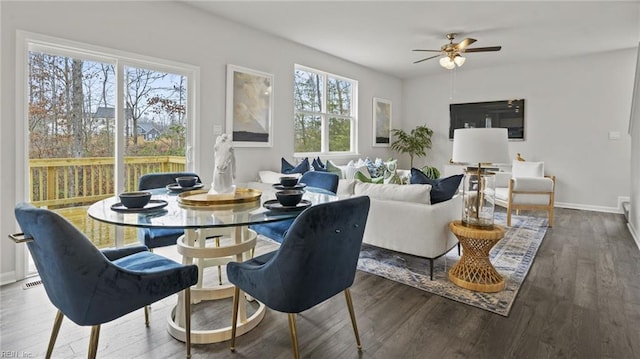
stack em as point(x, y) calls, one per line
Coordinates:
point(466, 42)
point(426, 50)
point(425, 59)
point(483, 49)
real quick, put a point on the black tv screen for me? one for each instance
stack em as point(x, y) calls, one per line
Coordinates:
point(507, 114)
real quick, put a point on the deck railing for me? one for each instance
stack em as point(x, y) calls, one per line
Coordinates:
point(70, 185)
point(69, 182)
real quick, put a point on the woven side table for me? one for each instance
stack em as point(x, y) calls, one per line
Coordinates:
point(474, 271)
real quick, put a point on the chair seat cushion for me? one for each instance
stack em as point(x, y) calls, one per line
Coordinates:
point(273, 230)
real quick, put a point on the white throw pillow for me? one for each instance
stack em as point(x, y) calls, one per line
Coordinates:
point(417, 193)
point(527, 169)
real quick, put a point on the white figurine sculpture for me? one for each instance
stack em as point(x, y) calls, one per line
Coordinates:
point(224, 172)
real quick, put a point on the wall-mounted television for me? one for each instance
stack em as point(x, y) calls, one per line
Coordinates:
point(507, 114)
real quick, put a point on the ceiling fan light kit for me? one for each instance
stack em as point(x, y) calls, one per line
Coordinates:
point(452, 52)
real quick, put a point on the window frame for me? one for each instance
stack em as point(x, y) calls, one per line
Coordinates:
point(28, 41)
point(324, 115)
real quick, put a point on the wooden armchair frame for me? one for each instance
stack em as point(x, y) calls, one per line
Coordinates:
point(548, 207)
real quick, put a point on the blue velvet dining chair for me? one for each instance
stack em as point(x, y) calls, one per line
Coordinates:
point(317, 260)
point(160, 237)
point(92, 287)
point(316, 181)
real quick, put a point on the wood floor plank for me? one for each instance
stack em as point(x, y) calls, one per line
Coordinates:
point(581, 299)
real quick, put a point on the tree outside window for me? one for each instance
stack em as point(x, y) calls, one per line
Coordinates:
point(325, 113)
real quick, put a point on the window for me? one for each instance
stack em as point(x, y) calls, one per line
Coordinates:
point(96, 119)
point(325, 112)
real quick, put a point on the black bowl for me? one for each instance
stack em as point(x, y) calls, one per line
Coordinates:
point(135, 199)
point(187, 181)
point(288, 181)
point(289, 197)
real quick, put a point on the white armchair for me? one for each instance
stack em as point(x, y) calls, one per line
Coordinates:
point(527, 189)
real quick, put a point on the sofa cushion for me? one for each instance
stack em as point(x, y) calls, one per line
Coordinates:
point(288, 168)
point(395, 192)
point(442, 188)
point(345, 187)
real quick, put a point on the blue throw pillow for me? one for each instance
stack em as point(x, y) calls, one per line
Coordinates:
point(288, 168)
point(442, 189)
point(318, 165)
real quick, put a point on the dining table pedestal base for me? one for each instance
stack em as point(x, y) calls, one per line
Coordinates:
point(214, 247)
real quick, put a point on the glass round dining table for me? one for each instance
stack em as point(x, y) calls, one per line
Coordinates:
point(213, 236)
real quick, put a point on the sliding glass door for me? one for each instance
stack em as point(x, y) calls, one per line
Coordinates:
point(95, 122)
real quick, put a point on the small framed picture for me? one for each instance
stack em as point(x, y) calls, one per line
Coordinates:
point(249, 107)
point(381, 122)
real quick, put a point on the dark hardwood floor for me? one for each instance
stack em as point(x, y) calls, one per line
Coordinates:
point(581, 299)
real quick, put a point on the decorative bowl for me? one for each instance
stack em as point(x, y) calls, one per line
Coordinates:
point(288, 181)
point(187, 181)
point(135, 199)
point(289, 197)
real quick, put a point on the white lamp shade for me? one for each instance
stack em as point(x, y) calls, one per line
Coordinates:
point(444, 61)
point(480, 145)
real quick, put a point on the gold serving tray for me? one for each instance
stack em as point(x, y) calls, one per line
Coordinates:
point(202, 198)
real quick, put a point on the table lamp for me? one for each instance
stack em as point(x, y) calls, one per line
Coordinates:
point(477, 147)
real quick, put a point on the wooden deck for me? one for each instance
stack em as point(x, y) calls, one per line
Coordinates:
point(102, 235)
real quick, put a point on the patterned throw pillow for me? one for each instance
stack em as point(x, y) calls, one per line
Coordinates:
point(363, 178)
point(376, 168)
point(442, 189)
point(288, 168)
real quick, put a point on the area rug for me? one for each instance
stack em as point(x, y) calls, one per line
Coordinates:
point(512, 257)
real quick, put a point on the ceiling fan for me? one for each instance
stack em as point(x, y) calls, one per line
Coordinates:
point(453, 51)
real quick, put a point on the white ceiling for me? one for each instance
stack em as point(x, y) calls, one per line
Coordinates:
point(381, 34)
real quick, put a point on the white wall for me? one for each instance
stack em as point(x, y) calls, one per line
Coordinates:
point(176, 32)
point(571, 105)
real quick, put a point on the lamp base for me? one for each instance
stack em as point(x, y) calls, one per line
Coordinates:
point(482, 224)
point(479, 198)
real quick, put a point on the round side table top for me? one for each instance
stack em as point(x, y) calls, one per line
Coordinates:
point(497, 232)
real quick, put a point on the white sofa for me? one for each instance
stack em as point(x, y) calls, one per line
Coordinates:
point(402, 218)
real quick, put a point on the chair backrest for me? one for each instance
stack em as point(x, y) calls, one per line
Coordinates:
point(527, 169)
point(68, 263)
point(323, 180)
point(161, 179)
point(319, 254)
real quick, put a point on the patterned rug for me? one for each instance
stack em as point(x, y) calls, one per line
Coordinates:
point(512, 257)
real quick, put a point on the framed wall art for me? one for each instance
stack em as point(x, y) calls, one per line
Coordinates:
point(381, 122)
point(249, 107)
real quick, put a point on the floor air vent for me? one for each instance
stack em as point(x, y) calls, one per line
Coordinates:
point(31, 284)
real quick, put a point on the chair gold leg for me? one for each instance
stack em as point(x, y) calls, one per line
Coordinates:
point(294, 335)
point(352, 314)
point(54, 333)
point(187, 320)
point(93, 342)
point(234, 318)
point(146, 315)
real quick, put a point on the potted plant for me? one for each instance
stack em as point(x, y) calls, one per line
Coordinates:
point(415, 143)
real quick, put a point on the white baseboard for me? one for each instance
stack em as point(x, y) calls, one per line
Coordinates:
point(7, 278)
point(583, 207)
